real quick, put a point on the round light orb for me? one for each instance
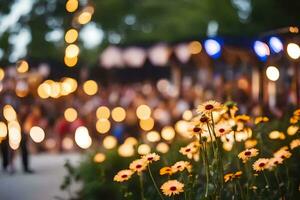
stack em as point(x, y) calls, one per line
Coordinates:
point(147, 124)
point(84, 17)
point(103, 125)
point(2, 74)
point(72, 5)
point(22, 66)
point(212, 48)
point(162, 147)
point(126, 150)
point(143, 112)
point(275, 44)
point(70, 114)
point(99, 157)
point(131, 141)
point(103, 112)
point(144, 149)
point(37, 134)
point(187, 115)
point(82, 137)
point(3, 130)
point(195, 47)
point(67, 143)
point(90, 87)
point(293, 50)
point(71, 35)
point(118, 114)
point(272, 73)
point(110, 142)
point(9, 113)
point(261, 49)
point(70, 62)
point(168, 133)
point(153, 136)
point(44, 90)
point(71, 51)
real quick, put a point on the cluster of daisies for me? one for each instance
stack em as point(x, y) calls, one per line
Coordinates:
point(215, 128)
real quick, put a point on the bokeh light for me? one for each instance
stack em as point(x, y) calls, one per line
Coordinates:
point(90, 87)
point(144, 149)
point(162, 147)
point(72, 5)
point(67, 143)
point(272, 73)
point(126, 150)
point(3, 130)
point(143, 112)
point(22, 66)
point(293, 50)
point(99, 157)
point(168, 133)
point(82, 137)
point(71, 35)
point(275, 44)
point(212, 48)
point(118, 114)
point(70, 62)
point(37, 134)
point(9, 113)
point(72, 50)
point(44, 90)
point(131, 141)
point(262, 50)
point(187, 115)
point(103, 125)
point(70, 114)
point(2, 74)
point(103, 112)
point(147, 124)
point(153, 136)
point(110, 142)
point(195, 47)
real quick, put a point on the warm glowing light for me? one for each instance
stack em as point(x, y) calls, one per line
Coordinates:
point(168, 133)
point(292, 130)
point(143, 112)
point(162, 147)
point(70, 114)
point(274, 135)
point(195, 47)
point(82, 137)
point(3, 130)
point(99, 157)
point(22, 66)
point(72, 5)
point(272, 73)
point(110, 142)
point(182, 128)
point(84, 17)
point(187, 115)
point(22, 88)
point(103, 125)
point(50, 143)
point(144, 149)
point(212, 48)
point(153, 136)
point(14, 134)
point(9, 113)
point(118, 114)
point(71, 35)
point(227, 146)
point(67, 143)
point(2, 74)
point(72, 50)
point(70, 62)
point(44, 90)
point(72, 82)
point(103, 112)
point(55, 89)
point(293, 50)
point(37, 134)
point(131, 141)
point(147, 124)
point(90, 87)
point(126, 150)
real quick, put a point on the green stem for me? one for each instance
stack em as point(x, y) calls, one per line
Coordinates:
point(267, 181)
point(141, 186)
point(154, 183)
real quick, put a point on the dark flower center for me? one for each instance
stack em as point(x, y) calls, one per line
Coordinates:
point(203, 119)
point(188, 150)
point(124, 176)
point(247, 153)
point(150, 158)
point(196, 129)
point(221, 130)
point(138, 166)
point(209, 107)
point(261, 164)
point(173, 188)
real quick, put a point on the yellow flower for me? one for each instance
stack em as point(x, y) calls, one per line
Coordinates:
point(295, 143)
point(138, 165)
point(273, 162)
point(283, 153)
point(123, 175)
point(166, 170)
point(294, 119)
point(261, 164)
point(231, 176)
point(172, 187)
point(247, 154)
point(250, 143)
point(208, 107)
point(194, 131)
point(190, 150)
point(297, 112)
point(151, 157)
point(242, 118)
point(261, 119)
point(222, 128)
point(180, 166)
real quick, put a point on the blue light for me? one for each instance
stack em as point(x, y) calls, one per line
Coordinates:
point(212, 48)
point(262, 50)
point(275, 44)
